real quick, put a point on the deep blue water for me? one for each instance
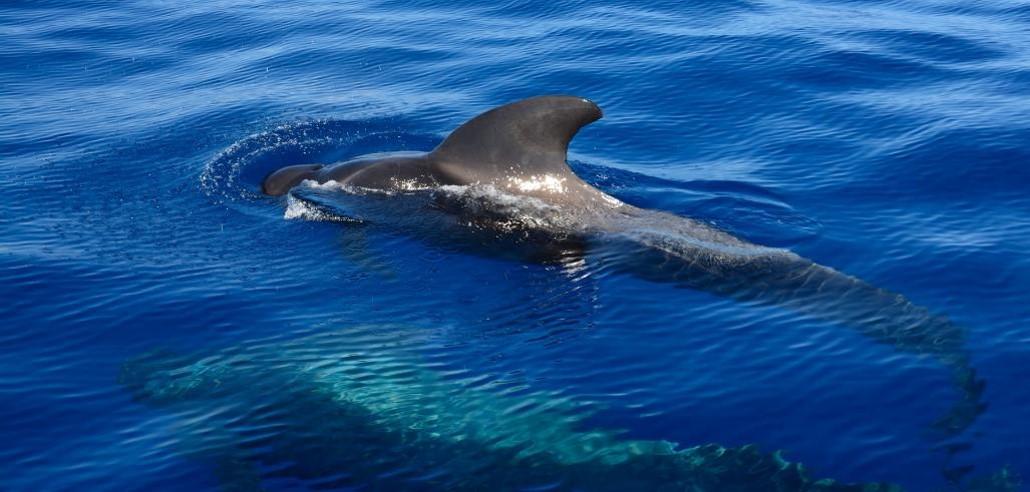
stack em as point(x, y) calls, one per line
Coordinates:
point(888, 140)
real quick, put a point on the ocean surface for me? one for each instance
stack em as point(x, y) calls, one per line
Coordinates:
point(889, 140)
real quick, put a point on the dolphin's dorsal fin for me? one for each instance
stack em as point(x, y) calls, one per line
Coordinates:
point(517, 140)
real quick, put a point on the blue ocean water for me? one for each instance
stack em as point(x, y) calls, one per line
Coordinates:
point(887, 139)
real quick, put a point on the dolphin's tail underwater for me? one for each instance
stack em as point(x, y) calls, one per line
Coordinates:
point(884, 316)
point(778, 277)
point(665, 248)
point(892, 319)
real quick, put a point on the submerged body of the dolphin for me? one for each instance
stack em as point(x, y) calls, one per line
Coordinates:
point(503, 176)
point(362, 410)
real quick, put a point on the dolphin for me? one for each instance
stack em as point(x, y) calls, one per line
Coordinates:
point(502, 177)
point(361, 408)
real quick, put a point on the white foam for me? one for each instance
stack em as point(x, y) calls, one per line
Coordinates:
point(297, 208)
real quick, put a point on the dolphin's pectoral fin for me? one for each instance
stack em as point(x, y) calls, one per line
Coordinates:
point(522, 139)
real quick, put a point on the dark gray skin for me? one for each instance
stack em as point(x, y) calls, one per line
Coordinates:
point(519, 149)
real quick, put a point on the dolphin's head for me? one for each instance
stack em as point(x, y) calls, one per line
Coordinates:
point(279, 182)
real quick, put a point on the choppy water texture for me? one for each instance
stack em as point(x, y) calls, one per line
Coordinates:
point(888, 140)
